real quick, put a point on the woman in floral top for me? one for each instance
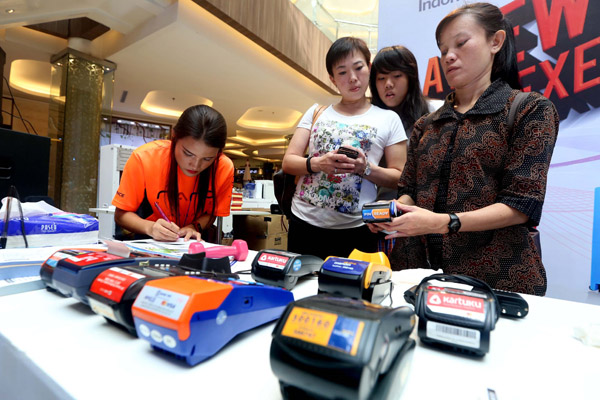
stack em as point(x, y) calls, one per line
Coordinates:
point(472, 186)
point(332, 187)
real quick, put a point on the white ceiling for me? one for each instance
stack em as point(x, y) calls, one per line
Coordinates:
point(176, 48)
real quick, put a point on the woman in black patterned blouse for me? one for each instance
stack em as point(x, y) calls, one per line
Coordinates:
point(472, 186)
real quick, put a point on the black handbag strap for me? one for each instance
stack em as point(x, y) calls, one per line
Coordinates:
point(519, 98)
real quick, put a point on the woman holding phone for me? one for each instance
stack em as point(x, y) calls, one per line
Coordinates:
point(345, 143)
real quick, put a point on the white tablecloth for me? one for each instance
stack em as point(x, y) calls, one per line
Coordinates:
point(55, 347)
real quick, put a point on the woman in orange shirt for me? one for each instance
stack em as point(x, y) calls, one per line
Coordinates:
point(187, 178)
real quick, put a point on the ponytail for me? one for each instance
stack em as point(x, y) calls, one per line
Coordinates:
point(505, 61)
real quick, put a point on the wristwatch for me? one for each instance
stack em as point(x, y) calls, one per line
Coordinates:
point(367, 170)
point(454, 224)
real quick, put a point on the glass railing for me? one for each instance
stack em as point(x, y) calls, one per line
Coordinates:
point(335, 28)
point(315, 12)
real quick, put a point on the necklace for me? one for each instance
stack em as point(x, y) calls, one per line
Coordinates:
point(191, 200)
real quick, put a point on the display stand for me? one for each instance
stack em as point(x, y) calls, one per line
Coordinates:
point(113, 158)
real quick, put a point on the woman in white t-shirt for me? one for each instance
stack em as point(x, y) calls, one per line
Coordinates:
point(326, 209)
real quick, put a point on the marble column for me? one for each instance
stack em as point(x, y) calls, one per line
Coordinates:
point(82, 88)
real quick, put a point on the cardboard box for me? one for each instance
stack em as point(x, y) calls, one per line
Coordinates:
point(262, 231)
point(259, 225)
point(277, 241)
point(227, 241)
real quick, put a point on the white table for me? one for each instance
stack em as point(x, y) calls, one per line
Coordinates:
point(258, 203)
point(106, 219)
point(55, 347)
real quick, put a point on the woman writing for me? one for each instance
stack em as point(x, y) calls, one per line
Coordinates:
point(184, 183)
point(326, 209)
point(472, 185)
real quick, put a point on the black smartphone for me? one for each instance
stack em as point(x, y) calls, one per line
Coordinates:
point(348, 151)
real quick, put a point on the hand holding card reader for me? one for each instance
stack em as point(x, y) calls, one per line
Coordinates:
point(193, 318)
point(283, 268)
point(379, 211)
point(356, 278)
point(456, 319)
point(341, 348)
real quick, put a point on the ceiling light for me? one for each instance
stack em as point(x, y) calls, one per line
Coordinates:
point(236, 152)
point(251, 142)
point(267, 118)
point(10, 10)
point(170, 104)
point(273, 151)
point(267, 159)
point(32, 77)
point(230, 145)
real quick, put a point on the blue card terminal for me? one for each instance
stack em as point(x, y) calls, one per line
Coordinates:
point(193, 318)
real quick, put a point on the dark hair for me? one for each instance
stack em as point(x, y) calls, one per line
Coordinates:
point(399, 58)
point(202, 123)
point(343, 47)
point(490, 18)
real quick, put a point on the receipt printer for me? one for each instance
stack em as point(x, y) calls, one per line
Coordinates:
point(114, 290)
point(283, 268)
point(340, 348)
point(47, 269)
point(74, 275)
point(455, 319)
point(354, 278)
point(193, 318)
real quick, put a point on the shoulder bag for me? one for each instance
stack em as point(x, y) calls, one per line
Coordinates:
point(284, 185)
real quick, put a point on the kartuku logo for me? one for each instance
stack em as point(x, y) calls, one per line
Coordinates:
point(435, 299)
